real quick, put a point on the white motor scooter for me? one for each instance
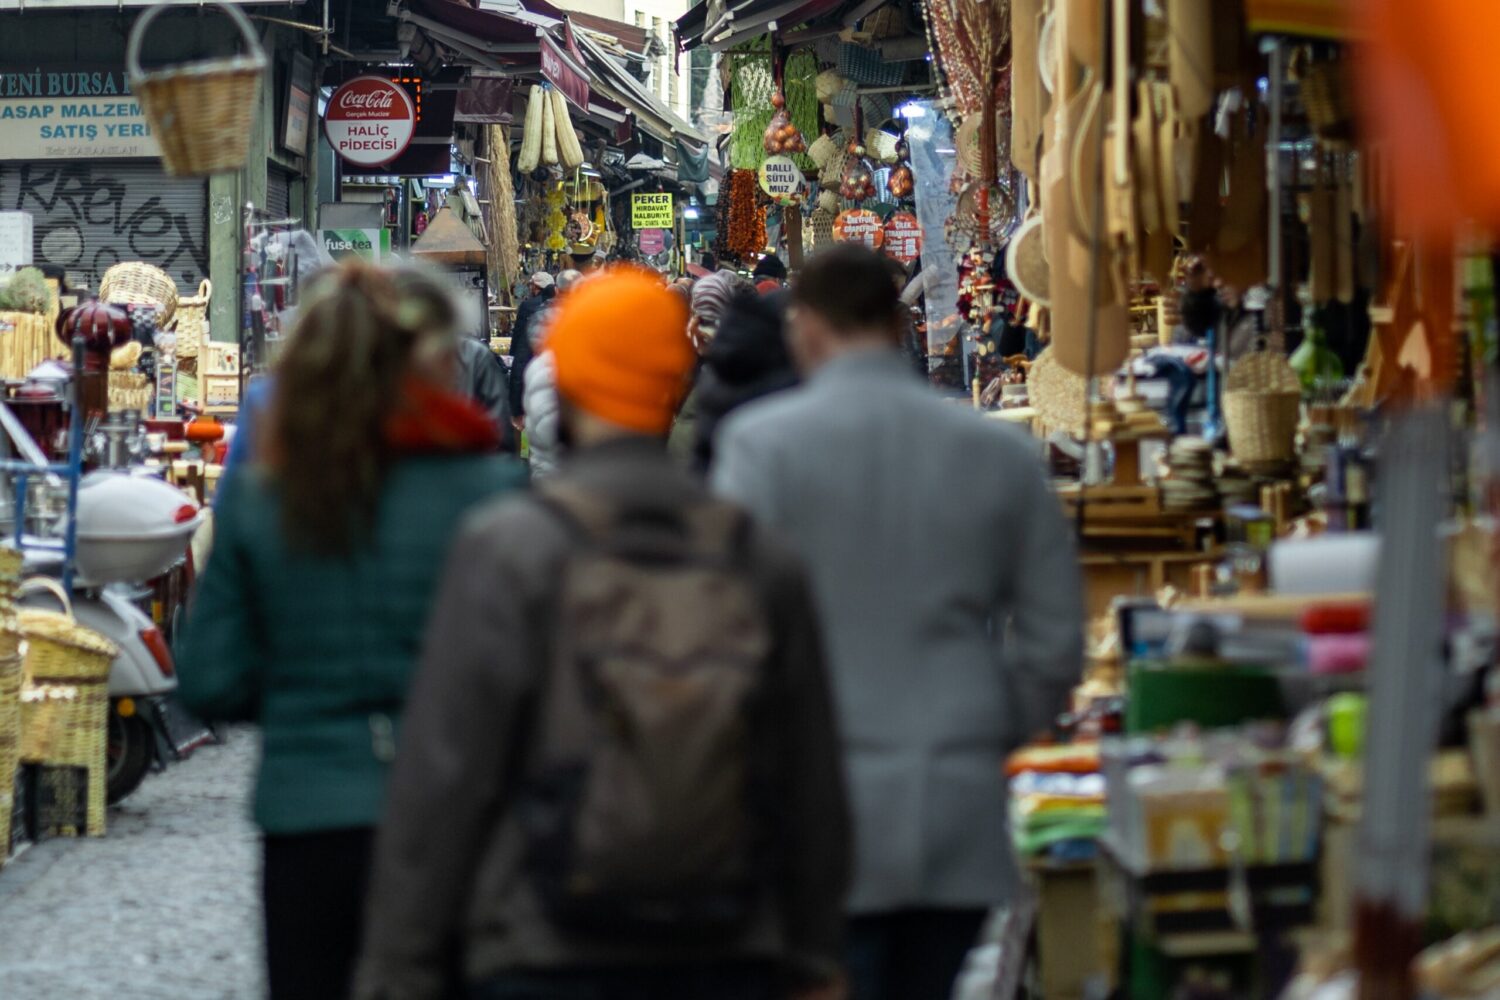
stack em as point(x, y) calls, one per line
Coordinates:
point(131, 529)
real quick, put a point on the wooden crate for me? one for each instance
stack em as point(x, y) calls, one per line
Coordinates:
point(220, 392)
point(219, 358)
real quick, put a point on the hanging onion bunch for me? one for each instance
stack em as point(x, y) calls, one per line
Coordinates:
point(858, 182)
point(902, 183)
point(782, 137)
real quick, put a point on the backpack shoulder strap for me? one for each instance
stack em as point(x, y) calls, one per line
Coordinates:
point(709, 527)
point(585, 513)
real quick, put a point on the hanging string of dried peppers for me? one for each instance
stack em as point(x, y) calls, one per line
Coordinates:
point(745, 232)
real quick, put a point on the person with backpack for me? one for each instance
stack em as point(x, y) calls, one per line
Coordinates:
point(622, 780)
point(949, 586)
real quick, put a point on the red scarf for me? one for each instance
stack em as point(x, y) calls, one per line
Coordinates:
point(430, 419)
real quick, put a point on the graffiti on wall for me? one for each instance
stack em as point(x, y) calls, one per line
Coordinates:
point(87, 219)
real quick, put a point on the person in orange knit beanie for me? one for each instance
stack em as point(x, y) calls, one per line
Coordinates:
point(621, 350)
point(615, 620)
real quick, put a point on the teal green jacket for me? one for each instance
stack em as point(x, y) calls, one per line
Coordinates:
point(317, 650)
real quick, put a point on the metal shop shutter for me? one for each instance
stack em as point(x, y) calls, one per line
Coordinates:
point(89, 214)
point(278, 193)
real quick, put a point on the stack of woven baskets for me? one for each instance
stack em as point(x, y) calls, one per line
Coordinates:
point(10, 692)
point(1262, 407)
point(65, 698)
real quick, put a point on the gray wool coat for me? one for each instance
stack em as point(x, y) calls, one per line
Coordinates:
point(948, 583)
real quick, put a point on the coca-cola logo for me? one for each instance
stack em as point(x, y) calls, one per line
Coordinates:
point(371, 97)
point(350, 99)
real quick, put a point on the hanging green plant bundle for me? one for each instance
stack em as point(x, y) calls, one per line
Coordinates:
point(27, 292)
point(753, 93)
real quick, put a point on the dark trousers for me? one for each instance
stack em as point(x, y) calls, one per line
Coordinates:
point(910, 954)
point(694, 982)
point(314, 889)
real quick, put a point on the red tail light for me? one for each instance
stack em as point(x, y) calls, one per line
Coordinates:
point(157, 644)
point(185, 513)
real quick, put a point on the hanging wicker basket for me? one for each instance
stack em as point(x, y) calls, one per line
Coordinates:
point(822, 228)
point(139, 284)
point(881, 145)
point(829, 84)
point(201, 113)
point(1262, 406)
point(822, 150)
point(867, 66)
point(887, 22)
point(1328, 100)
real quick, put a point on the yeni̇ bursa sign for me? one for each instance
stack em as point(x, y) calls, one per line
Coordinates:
point(51, 114)
point(370, 121)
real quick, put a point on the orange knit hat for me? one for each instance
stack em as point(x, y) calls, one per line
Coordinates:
point(621, 350)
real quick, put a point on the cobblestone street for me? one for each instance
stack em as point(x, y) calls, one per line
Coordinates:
point(166, 907)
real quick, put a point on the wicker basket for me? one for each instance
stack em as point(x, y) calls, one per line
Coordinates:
point(10, 731)
point(65, 697)
point(881, 145)
point(1327, 98)
point(11, 563)
point(1262, 425)
point(1262, 407)
point(201, 113)
point(129, 391)
point(135, 283)
point(867, 66)
point(822, 228)
point(833, 171)
point(887, 22)
point(822, 150)
point(877, 108)
point(828, 84)
point(192, 321)
point(1060, 396)
point(1262, 371)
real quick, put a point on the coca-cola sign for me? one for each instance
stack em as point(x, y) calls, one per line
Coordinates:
point(370, 121)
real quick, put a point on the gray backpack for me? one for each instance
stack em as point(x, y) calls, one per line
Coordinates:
point(639, 803)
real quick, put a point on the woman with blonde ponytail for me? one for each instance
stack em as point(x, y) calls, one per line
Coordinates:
point(328, 548)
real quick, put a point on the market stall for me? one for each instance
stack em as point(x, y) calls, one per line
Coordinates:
point(1161, 237)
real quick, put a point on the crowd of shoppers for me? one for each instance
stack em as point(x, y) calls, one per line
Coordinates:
point(718, 723)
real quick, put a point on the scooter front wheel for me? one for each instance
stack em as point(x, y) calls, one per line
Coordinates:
point(129, 753)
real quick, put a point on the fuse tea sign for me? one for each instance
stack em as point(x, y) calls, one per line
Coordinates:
point(370, 121)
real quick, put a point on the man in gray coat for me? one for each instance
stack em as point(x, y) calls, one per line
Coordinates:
point(949, 588)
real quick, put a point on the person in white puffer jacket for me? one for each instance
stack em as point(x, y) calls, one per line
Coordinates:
point(542, 415)
point(540, 395)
